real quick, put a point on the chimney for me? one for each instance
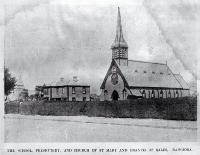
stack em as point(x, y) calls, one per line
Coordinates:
point(75, 78)
point(61, 79)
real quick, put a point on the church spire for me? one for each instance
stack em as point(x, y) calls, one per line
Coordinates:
point(119, 39)
point(120, 47)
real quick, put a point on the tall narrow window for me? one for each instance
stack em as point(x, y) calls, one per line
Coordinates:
point(143, 94)
point(177, 94)
point(62, 90)
point(73, 90)
point(152, 94)
point(105, 94)
point(124, 94)
point(149, 94)
point(161, 94)
point(169, 94)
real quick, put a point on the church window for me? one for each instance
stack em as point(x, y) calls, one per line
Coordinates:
point(153, 72)
point(152, 94)
point(105, 94)
point(145, 71)
point(149, 94)
point(124, 93)
point(114, 69)
point(161, 94)
point(169, 94)
point(161, 72)
point(73, 90)
point(144, 94)
point(177, 94)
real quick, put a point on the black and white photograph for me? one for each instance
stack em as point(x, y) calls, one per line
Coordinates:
point(100, 72)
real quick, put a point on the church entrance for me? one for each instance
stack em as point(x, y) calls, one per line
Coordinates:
point(115, 95)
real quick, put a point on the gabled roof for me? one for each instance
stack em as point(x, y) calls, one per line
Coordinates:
point(113, 62)
point(182, 82)
point(148, 74)
point(63, 82)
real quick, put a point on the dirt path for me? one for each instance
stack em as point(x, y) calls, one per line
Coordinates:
point(20, 128)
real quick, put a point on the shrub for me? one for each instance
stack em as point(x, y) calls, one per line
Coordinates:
point(171, 108)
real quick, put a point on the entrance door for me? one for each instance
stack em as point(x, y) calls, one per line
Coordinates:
point(115, 95)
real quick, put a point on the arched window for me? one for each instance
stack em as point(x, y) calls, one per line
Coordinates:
point(144, 94)
point(161, 94)
point(177, 94)
point(105, 94)
point(152, 94)
point(169, 94)
point(124, 93)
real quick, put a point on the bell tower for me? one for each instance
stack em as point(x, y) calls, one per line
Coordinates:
point(119, 46)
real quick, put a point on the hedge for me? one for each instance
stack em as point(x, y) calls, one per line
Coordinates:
point(184, 108)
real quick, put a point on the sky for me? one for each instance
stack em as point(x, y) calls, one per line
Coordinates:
point(49, 39)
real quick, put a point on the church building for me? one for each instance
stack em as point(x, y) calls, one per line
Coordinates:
point(126, 79)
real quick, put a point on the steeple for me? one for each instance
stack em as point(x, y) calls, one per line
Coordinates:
point(120, 47)
point(119, 39)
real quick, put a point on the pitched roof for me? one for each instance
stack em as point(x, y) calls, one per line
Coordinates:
point(63, 82)
point(119, 39)
point(182, 82)
point(148, 74)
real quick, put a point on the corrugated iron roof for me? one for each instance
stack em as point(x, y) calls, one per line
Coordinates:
point(148, 74)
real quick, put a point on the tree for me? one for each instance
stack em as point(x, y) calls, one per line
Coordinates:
point(9, 82)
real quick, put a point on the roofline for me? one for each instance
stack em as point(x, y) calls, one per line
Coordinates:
point(109, 72)
point(66, 86)
point(132, 87)
point(148, 62)
point(182, 79)
point(177, 74)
